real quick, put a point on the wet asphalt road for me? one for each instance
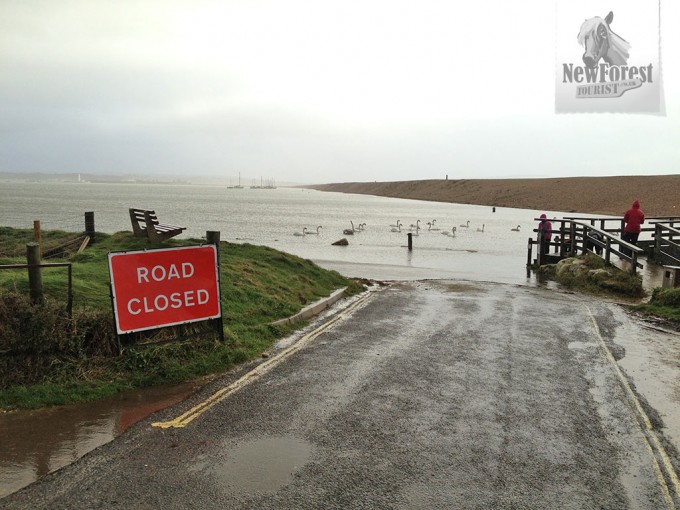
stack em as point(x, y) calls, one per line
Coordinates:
point(427, 395)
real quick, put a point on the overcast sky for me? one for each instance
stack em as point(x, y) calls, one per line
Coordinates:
point(311, 91)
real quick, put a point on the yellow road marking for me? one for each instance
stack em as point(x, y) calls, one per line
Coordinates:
point(653, 442)
point(184, 419)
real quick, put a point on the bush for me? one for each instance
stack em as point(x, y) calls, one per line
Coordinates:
point(592, 274)
point(35, 338)
point(665, 297)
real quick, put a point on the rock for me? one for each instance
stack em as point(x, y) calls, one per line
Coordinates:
point(341, 242)
point(599, 275)
point(564, 265)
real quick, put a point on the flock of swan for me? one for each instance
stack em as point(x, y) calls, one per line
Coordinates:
point(414, 228)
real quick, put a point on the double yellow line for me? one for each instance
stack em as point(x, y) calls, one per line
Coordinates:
point(662, 461)
point(184, 419)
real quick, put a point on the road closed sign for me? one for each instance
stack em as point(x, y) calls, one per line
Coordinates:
point(158, 288)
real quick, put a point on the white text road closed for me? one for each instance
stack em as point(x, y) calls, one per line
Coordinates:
point(159, 288)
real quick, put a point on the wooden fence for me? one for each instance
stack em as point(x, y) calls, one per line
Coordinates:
point(666, 244)
point(574, 236)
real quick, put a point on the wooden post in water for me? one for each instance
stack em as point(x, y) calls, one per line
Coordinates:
point(34, 273)
point(410, 241)
point(89, 226)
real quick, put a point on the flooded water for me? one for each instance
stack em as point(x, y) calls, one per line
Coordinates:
point(485, 248)
point(261, 465)
point(271, 217)
point(35, 443)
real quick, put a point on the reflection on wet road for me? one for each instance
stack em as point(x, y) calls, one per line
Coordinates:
point(35, 443)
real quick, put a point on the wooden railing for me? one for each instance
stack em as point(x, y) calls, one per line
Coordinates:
point(614, 225)
point(666, 248)
point(573, 236)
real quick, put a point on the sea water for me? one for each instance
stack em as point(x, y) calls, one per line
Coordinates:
point(484, 246)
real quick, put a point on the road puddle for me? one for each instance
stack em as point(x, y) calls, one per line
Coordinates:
point(263, 465)
point(35, 443)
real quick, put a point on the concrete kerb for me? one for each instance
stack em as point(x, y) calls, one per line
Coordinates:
point(313, 309)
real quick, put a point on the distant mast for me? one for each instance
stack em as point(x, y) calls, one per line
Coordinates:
point(269, 184)
point(239, 183)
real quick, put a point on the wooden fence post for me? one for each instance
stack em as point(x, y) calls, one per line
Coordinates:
point(37, 235)
point(34, 272)
point(410, 241)
point(213, 237)
point(89, 226)
point(608, 250)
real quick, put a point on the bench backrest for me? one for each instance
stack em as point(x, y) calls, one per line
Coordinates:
point(139, 221)
point(139, 215)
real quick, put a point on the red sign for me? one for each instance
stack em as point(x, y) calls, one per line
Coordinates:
point(157, 288)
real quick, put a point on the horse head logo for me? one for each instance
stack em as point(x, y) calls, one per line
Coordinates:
point(601, 43)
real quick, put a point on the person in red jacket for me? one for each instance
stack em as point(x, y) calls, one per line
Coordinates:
point(633, 218)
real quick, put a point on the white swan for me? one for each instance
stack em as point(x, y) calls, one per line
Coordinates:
point(397, 224)
point(397, 229)
point(416, 226)
point(304, 232)
point(467, 225)
point(430, 226)
point(515, 229)
point(450, 234)
point(348, 231)
point(315, 233)
point(481, 229)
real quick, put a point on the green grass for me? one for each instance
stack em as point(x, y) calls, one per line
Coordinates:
point(664, 303)
point(48, 358)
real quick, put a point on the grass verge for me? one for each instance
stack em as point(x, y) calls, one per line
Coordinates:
point(664, 304)
point(49, 358)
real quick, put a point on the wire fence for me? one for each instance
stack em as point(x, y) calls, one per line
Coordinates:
point(13, 240)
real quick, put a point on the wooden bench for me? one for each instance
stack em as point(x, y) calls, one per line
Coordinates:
point(145, 224)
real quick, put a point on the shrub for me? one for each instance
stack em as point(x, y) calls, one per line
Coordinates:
point(665, 297)
point(35, 338)
point(592, 274)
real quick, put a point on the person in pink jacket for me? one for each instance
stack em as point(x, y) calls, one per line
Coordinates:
point(545, 232)
point(633, 218)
